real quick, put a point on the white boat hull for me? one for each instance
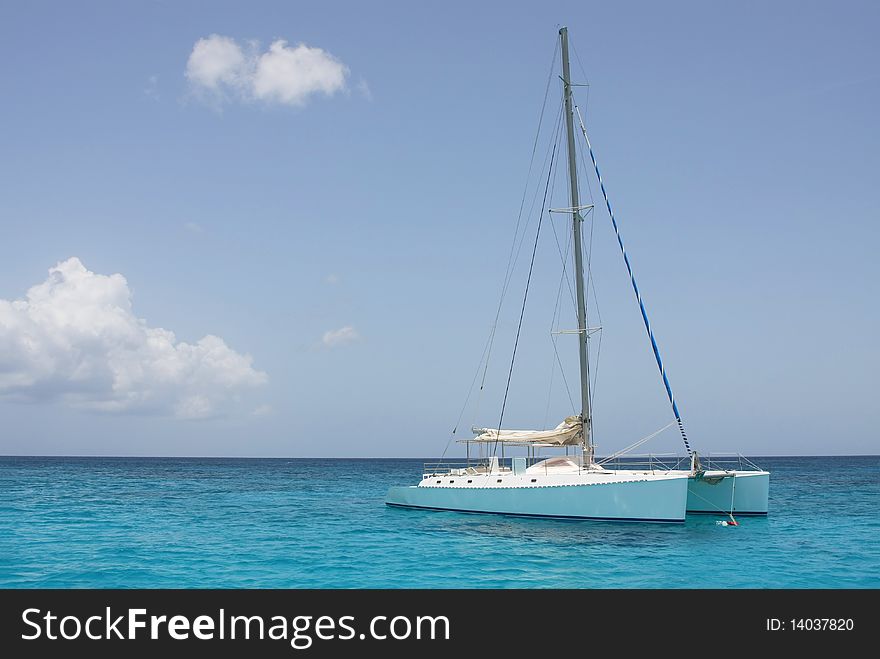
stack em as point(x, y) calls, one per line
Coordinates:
point(739, 492)
point(645, 498)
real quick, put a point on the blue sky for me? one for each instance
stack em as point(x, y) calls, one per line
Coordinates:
point(738, 142)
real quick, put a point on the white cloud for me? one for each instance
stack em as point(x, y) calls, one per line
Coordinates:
point(332, 278)
point(290, 75)
point(75, 338)
point(219, 67)
point(339, 337)
point(262, 410)
point(217, 61)
point(194, 227)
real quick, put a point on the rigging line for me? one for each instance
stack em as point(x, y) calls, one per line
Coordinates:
point(588, 248)
point(598, 312)
point(466, 400)
point(471, 388)
point(525, 299)
point(564, 379)
point(508, 276)
point(553, 365)
point(586, 103)
point(537, 190)
point(635, 445)
point(635, 287)
point(510, 273)
point(522, 203)
point(592, 283)
point(564, 259)
point(511, 264)
point(555, 319)
point(562, 279)
point(585, 169)
point(488, 346)
point(589, 251)
point(554, 340)
point(487, 351)
point(580, 64)
point(549, 396)
point(714, 505)
point(596, 370)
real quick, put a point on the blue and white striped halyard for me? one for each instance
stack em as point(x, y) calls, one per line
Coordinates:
point(635, 286)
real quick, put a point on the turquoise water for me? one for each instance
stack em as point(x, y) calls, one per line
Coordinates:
point(120, 522)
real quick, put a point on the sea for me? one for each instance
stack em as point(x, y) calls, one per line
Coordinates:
point(321, 523)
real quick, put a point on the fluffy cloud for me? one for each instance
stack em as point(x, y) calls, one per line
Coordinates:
point(215, 62)
point(289, 75)
point(75, 338)
point(339, 337)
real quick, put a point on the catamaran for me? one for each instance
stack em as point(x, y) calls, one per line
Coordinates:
point(577, 484)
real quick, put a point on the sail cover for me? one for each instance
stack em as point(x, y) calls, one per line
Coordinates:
point(567, 433)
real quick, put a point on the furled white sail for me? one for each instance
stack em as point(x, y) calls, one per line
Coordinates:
point(567, 433)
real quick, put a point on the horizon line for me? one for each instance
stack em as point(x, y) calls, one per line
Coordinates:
point(355, 457)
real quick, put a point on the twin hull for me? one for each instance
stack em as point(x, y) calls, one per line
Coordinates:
point(743, 493)
point(652, 500)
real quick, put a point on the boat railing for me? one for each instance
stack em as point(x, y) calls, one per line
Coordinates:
point(478, 466)
point(727, 462)
point(647, 462)
point(641, 462)
point(457, 468)
point(669, 462)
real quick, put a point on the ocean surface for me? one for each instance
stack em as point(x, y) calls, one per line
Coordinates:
point(302, 523)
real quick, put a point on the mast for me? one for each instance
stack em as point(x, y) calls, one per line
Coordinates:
point(576, 221)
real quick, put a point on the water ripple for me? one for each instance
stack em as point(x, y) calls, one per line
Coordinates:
point(114, 522)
